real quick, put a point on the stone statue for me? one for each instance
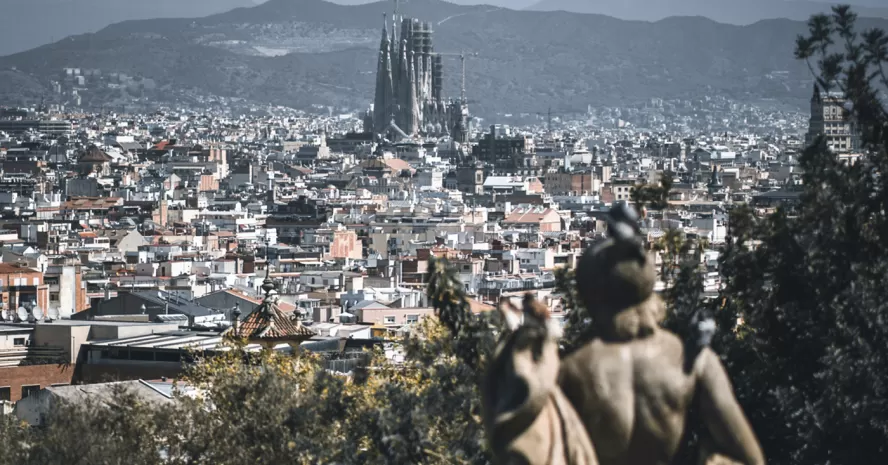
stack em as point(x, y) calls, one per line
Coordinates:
point(526, 417)
point(633, 384)
point(628, 391)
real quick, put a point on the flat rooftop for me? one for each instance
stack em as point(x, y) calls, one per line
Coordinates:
point(14, 328)
point(177, 340)
point(65, 322)
point(99, 323)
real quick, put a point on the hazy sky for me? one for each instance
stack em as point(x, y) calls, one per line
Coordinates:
point(519, 4)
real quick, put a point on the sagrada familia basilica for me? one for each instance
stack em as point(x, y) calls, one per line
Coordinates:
point(409, 100)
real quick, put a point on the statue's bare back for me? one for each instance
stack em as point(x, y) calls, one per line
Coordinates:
point(633, 397)
point(632, 385)
point(622, 401)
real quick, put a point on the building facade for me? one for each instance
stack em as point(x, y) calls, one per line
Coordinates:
point(22, 287)
point(503, 151)
point(830, 118)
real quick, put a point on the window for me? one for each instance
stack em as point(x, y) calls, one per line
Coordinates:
point(389, 320)
point(53, 296)
point(29, 390)
point(19, 341)
point(6, 393)
point(412, 318)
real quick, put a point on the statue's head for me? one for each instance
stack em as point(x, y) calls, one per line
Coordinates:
point(617, 274)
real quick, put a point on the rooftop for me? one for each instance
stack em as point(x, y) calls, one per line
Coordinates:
point(268, 324)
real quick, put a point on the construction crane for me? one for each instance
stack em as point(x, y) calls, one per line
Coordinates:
point(549, 113)
point(462, 58)
point(397, 4)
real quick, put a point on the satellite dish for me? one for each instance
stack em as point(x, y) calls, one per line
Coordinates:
point(37, 312)
point(54, 313)
point(4, 314)
point(22, 314)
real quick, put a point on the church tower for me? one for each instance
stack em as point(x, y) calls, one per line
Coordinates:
point(815, 123)
point(409, 85)
point(382, 100)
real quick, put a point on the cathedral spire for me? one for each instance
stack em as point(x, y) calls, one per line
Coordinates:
point(378, 98)
point(404, 83)
point(382, 102)
point(413, 108)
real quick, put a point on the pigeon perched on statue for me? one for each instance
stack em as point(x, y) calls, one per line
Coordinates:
point(622, 223)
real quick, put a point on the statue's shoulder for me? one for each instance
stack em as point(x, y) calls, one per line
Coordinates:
point(667, 341)
point(597, 353)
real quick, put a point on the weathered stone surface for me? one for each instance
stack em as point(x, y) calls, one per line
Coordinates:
point(527, 418)
point(631, 386)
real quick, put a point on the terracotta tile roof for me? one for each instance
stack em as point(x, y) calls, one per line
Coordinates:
point(268, 322)
point(397, 165)
point(530, 216)
point(243, 295)
point(94, 155)
point(91, 203)
point(6, 268)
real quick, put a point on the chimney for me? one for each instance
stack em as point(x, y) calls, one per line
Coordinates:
point(235, 318)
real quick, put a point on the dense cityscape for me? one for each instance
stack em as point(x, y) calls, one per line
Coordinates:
point(175, 218)
point(137, 233)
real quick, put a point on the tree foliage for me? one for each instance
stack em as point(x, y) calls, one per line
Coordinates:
point(809, 360)
point(273, 408)
point(654, 196)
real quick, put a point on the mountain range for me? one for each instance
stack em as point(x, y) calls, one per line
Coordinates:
point(39, 22)
point(724, 11)
point(31, 23)
point(311, 52)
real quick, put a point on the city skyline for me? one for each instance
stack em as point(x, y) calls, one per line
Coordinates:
point(415, 232)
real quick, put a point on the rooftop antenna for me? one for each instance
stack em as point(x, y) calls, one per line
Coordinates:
point(53, 313)
point(4, 314)
point(22, 313)
point(462, 58)
point(37, 313)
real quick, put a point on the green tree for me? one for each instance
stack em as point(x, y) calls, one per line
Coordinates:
point(810, 358)
point(273, 408)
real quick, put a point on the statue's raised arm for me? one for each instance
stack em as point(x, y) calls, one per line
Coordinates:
point(527, 419)
point(631, 384)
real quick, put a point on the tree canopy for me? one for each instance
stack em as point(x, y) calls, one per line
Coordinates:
point(810, 358)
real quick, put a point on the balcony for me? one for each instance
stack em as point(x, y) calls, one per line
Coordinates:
point(32, 355)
